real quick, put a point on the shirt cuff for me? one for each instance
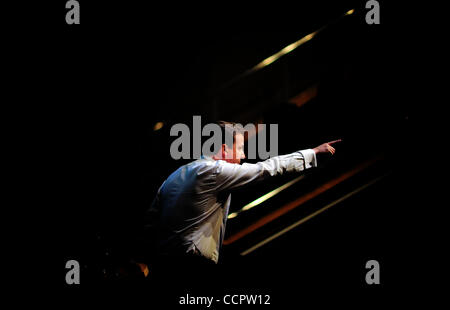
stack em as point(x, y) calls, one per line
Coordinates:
point(309, 156)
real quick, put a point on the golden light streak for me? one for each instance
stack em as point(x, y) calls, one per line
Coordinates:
point(265, 197)
point(271, 194)
point(285, 230)
point(144, 269)
point(283, 52)
point(232, 215)
point(299, 201)
point(350, 12)
point(158, 126)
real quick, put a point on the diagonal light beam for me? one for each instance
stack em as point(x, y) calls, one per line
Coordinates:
point(285, 230)
point(286, 50)
point(265, 197)
point(299, 201)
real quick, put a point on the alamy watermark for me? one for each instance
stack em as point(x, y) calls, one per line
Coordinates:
point(73, 275)
point(373, 275)
point(373, 15)
point(181, 147)
point(73, 13)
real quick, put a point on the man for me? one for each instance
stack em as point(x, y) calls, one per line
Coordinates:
point(191, 207)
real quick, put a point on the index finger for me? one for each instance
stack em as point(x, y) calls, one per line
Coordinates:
point(335, 141)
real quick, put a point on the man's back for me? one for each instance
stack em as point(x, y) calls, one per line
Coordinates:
point(193, 213)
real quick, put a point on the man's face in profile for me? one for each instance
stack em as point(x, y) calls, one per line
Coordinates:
point(235, 154)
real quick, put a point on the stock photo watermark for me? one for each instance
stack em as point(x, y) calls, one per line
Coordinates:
point(73, 12)
point(73, 274)
point(373, 13)
point(373, 275)
point(181, 147)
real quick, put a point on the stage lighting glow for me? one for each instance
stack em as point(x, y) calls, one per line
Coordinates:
point(350, 12)
point(310, 216)
point(265, 197)
point(232, 215)
point(283, 52)
point(158, 126)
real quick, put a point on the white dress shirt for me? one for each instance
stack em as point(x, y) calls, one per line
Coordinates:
point(194, 201)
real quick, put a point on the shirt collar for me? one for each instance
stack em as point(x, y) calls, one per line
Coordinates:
point(205, 157)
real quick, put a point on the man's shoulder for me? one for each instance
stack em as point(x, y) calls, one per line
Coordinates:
point(204, 164)
point(201, 167)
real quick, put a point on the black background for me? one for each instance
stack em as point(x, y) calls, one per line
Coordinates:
point(94, 92)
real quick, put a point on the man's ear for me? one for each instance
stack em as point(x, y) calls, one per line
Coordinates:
point(224, 149)
point(227, 152)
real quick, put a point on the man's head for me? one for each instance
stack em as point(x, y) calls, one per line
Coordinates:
point(232, 150)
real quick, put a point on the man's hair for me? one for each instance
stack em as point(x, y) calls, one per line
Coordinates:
point(230, 128)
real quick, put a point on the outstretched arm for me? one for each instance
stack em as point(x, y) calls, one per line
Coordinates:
point(231, 176)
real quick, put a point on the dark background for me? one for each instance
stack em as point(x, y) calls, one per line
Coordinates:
point(104, 84)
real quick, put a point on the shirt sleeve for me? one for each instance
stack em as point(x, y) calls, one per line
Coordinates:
point(231, 176)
